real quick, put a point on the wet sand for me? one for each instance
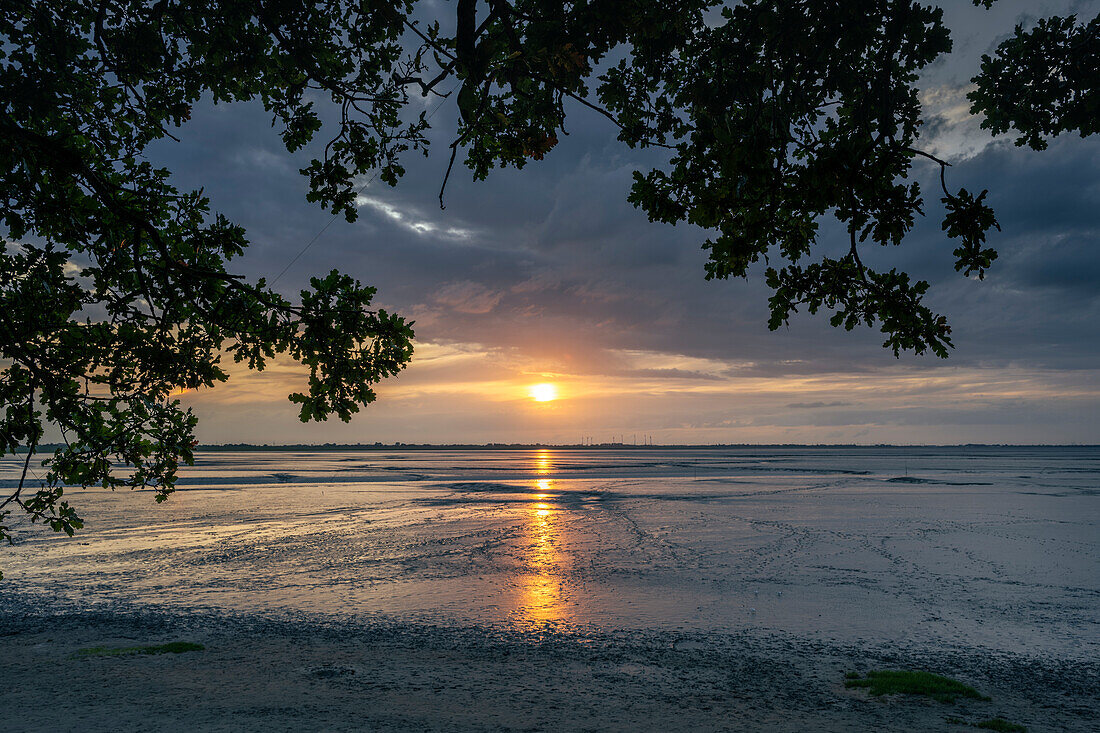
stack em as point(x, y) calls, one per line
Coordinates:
point(274, 675)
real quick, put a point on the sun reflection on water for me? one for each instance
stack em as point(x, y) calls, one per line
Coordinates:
point(542, 587)
point(543, 462)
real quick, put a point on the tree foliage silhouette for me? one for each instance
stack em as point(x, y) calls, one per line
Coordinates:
point(777, 115)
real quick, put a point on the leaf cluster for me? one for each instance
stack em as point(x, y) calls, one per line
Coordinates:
point(115, 290)
point(1042, 82)
point(782, 114)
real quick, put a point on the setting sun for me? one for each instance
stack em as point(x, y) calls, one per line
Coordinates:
point(544, 392)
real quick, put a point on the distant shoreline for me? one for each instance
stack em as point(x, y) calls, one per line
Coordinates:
point(598, 446)
point(320, 447)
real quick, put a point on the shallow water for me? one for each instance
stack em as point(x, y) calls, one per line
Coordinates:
point(976, 547)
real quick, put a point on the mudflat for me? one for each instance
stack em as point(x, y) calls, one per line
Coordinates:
point(257, 674)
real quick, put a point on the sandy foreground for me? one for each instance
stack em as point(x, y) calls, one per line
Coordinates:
point(264, 674)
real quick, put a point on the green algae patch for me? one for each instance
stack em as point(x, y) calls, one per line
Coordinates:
point(175, 647)
point(907, 682)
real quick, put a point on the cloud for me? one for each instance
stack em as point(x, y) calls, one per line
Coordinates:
point(471, 392)
point(271, 159)
point(412, 220)
point(950, 131)
point(468, 297)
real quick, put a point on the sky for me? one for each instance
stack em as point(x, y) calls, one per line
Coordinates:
point(549, 275)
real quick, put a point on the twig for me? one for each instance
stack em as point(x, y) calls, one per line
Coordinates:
point(943, 167)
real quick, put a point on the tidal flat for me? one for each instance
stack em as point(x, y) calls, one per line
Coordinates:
point(683, 589)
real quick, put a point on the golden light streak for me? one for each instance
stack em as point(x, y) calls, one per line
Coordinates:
point(541, 598)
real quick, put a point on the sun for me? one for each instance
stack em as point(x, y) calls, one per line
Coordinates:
point(544, 392)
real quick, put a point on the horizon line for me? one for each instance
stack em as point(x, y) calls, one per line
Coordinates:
point(377, 446)
point(498, 446)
